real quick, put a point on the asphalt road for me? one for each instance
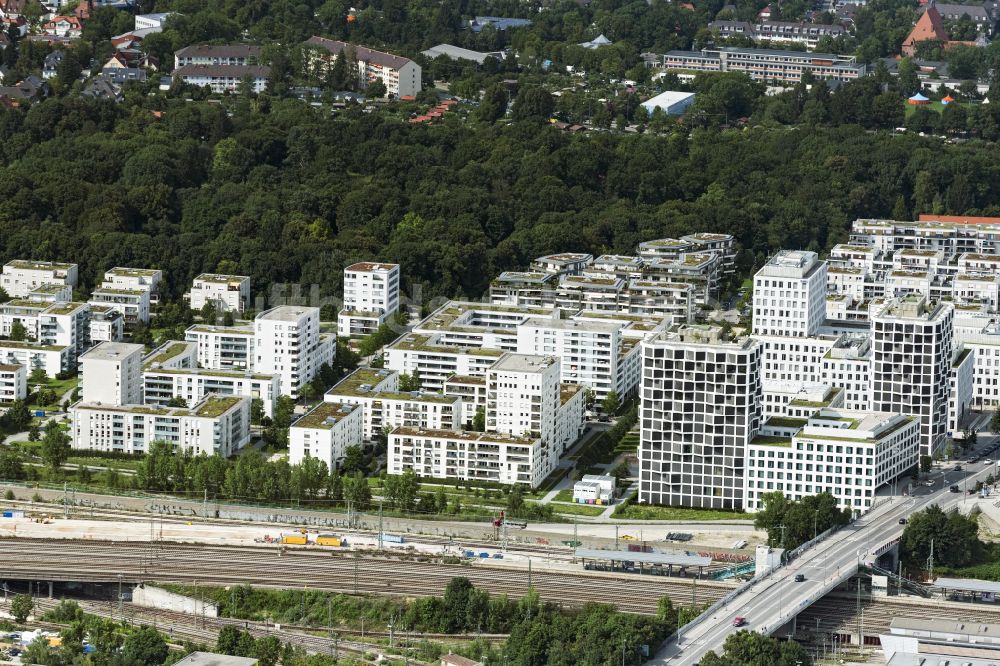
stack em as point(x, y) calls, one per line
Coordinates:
point(770, 603)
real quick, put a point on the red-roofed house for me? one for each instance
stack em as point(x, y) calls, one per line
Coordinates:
point(929, 28)
point(63, 26)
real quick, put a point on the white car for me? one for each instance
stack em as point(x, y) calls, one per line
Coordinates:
point(929, 484)
point(987, 462)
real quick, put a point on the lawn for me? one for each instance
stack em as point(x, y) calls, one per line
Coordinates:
point(564, 495)
point(578, 509)
point(636, 512)
point(97, 461)
point(933, 106)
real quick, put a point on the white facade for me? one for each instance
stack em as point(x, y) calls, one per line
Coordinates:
point(848, 366)
point(464, 455)
point(288, 344)
point(51, 359)
point(325, 433)
point(845, 453)
point(523, 400)
point(132, 303)
point(147, 279)
point(21, 277)
point(112, 374)
point(789, 295)
point(961, 379)
point(594, 489)
point(216, 426)
point(223, 347)
point(224, 78)
point(700, 407)
point(13, 383)
point(228, 293)
point(107, 324)
point(151, 22)
point(911, 360)
point(371, 295)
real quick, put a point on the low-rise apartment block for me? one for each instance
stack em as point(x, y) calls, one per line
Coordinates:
point(223, 347)
point(849, 454)
point(217, 54)
point(371, 296)
point(400, 75)
point(53, 360)
point(132, 303)
point(225, 78)
point(215, 426)
point(767, 65)
point(13, 383)
point(325, 433)
point(228, 293)
point(148, 279)
point(779, 32)
point(465, 455)
point(21, 277)
point(107, 324)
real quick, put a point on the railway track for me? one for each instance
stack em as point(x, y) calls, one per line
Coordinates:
point(168, 562)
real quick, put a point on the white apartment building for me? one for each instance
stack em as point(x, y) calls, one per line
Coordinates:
point(849, 454)
point(51, 293)
point(794, 359)
point(223, 347)
point(911, 360)
point(13, 383)
point(21, 277)
point(112, 374)
point(53, 360)
point(400, 75)
point(325, 432)
point(132, 303)
point(797, 400)
point(464, 455)
point(148, 279)
point(371, 296)
point(523, 401)
point(360, 388)
point(172, 371)
point(107, 324)
point(288, 343)
point(228, 293)
point(700, 407)
point(66, 324)
point(20, 311)
point(789, 295)
point(215, 426)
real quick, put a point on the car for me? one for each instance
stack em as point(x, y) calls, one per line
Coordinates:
point(954, 489)
point(739, 622)
point(958, 468)
point(902, 521)
point(799, 578)
point(929, 484)
point(987, 462)
point(627, 537)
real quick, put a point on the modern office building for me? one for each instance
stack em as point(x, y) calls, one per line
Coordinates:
point(700, 408)
point(911, 364)
point(848, 454)
point(371, 296)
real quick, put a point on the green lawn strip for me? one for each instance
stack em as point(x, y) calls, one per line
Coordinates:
point(578, 509)
point(564, 495)
point(634, 512)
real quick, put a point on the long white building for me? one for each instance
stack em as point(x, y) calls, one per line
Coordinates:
point(215, 426)
point(848, 454)
point(700, 408)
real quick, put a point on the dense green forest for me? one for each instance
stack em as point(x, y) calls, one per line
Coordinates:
point(288, 194)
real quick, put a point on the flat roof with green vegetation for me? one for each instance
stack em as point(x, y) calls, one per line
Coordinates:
point(422, 343)
point(216, 405)
point(223, 279)
point(567, 392)
point(12, 344)
point(169, 351)
point(63, 308)
point(770, 440)
point(49, 289)
point(962, 355)
point(118, 291)
point(241, 331)
point(28, 264)
point(786, 422)
point(209, 373)
point(133, 272)
point(325, 415)
point(465, 435)
point(360, 382)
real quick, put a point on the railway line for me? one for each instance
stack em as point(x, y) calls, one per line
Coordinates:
point(409, 576)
